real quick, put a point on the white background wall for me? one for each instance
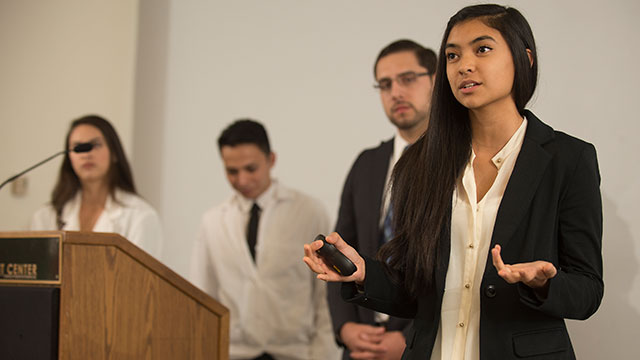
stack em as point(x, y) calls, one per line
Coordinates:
point(304, 68)
point(59, 60)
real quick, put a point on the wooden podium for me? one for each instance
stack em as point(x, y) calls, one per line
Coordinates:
point(118, 302)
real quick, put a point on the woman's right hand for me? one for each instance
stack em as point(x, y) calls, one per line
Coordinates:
point(318, 266)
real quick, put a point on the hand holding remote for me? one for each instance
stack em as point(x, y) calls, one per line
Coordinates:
point(334, 258)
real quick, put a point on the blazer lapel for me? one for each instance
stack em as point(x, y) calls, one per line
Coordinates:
point(527, 173)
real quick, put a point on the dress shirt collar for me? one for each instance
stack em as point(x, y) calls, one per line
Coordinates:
point(399, 144)
point(511, 147)
point(273, 194)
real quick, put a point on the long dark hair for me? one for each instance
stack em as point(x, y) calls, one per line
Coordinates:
point(424, 178)
point(119, 175)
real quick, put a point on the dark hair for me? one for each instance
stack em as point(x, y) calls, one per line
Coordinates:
point(245, 131)
point(426, 57)
point(119, 175)
point(424, 178)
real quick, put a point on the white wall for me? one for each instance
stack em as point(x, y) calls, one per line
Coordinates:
point(305, 70)
point(59, 60)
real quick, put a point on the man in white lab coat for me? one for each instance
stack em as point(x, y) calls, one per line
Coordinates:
point(248, 256)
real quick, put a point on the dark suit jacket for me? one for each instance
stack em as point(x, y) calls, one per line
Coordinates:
point(358, 224)
point(551, 210)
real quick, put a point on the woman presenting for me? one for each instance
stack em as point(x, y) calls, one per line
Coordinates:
point(497, 216)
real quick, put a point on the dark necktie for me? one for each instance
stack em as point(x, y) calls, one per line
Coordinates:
point(252, 229)
point(387, 224)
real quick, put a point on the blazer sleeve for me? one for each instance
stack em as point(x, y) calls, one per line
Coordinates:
point(577, 289)
point(380, 292)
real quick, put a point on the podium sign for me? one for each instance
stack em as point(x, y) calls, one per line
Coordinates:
point(31, 259)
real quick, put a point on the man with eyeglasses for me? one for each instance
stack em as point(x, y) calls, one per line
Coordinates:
point(403, 73)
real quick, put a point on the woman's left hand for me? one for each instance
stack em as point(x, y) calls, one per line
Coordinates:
point(533, 274)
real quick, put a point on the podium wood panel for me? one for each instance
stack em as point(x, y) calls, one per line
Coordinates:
point(118, 302)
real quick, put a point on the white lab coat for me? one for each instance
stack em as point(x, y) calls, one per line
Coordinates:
point(276, 303)
point(128, 215)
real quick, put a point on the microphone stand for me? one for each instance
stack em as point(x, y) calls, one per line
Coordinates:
point(31, 168)
point(80, 148)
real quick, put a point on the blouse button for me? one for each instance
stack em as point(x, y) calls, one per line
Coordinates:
point(490, 291)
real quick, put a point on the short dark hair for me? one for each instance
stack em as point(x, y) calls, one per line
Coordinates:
point(426, 57)
point(245, 131)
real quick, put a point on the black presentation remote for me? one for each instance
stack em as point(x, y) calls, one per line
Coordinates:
point(334, 258)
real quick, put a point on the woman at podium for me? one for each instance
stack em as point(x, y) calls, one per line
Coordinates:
point(95, 189)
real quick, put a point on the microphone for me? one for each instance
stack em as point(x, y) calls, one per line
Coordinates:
point(80, 148)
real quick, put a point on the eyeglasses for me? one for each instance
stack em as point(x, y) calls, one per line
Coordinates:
point(405, 79)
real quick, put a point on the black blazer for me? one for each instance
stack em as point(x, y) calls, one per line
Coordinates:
point(551, 210)
point(358, 224)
